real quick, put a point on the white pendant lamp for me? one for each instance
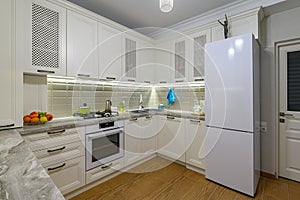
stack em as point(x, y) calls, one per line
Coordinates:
point(166, 5)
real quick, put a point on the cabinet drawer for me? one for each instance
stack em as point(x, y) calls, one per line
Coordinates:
point(104, 170)
point(52, 151)
point(68, 175)
point(49, 139)
point(63, 156)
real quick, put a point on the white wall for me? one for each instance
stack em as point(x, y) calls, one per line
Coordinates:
point(277, 27)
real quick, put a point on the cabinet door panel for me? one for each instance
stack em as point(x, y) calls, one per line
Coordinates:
point(163, 69)
point(7, 84)
point(145, 66)
point(171, 139)
point(195, 153)
point(68, 175)
point(82, 56)
point(110, 52)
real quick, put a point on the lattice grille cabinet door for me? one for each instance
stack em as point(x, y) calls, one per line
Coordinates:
point(48, 46)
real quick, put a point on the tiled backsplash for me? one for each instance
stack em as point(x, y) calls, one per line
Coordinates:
point(64, 98)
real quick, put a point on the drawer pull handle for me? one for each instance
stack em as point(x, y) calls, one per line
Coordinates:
point(148, 117)
point(55, 132)
point(46, 71)
point(7, 125)
point(131, 80)
point(199, 79)
point(196, 121)
point(106, 166)
point(54, 168)
point(83, 75)
point(162, 81)
point(170, 117)
point(147, 82)
point(179, 81)
point(110, 78)
point(59, 149)
point(133, 119)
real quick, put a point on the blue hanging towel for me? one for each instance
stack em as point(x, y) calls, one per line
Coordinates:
point(171, 96)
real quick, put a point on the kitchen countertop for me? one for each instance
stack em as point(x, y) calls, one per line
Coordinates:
point(72, 122)
point(21, 175)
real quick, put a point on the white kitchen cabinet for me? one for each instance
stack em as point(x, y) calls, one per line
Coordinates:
point(82, 54)
point(171, 138)
point(180, 59)
point(104, 170)
point(196, 47)
point(62, 154)
point(162, 61)
point(8, 69)
point(195, 152)
point(140, 139)
point(41, 35)
point(145, 66)
point(130, 45)
point(109, 52)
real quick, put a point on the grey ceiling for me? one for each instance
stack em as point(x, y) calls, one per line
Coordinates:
point(137, 14)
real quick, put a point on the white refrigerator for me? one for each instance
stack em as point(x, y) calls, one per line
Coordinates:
point(232, 85)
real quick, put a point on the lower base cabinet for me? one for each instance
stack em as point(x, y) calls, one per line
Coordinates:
point(104, 170)
point(195, 151)
point(171, 138)
point(69, 175)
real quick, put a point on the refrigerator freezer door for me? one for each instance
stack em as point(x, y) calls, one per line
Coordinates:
point(229, 83)
point(230, 159)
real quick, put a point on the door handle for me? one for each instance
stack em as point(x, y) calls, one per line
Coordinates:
point(282, 114)
point(106, 166)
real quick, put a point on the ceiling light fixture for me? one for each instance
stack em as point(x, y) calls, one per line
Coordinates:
point(166, 5)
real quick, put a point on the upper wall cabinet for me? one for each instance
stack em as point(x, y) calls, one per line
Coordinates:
point(162, 62)
point(145, 67)
point(247, 22)
point(109, 52)
point(196, 47)
point(82, 54)
point(130, 58)
point(180, 60)
point(43, 26)
point(7, 70)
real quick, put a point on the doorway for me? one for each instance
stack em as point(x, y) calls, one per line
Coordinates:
point(288, 63)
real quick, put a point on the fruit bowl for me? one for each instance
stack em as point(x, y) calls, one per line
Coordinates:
point(35, 118)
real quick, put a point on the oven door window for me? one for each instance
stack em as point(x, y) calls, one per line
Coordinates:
point(105, 146)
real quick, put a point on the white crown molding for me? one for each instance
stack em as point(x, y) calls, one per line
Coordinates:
point(213, 15)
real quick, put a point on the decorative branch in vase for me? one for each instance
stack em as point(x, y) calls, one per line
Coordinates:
point(225, 26)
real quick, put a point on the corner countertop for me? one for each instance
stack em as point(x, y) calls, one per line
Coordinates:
point(21, 175)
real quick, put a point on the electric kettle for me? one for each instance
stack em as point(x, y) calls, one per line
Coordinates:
point(108, 106)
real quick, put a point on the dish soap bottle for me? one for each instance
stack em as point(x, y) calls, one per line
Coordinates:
point(121, 107)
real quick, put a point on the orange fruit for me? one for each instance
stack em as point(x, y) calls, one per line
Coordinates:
point(34, 115)
point(35, 120)
point(27, 119)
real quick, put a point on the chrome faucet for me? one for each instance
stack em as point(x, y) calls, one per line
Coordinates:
point(141, 102)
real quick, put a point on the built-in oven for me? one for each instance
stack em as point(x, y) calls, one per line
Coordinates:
point(104, 143)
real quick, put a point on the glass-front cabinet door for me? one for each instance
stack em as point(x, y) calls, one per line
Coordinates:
point(197, 47)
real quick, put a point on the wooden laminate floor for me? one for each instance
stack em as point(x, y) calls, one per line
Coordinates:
point(173, 181)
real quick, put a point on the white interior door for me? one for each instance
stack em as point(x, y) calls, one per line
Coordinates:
point(289, 136)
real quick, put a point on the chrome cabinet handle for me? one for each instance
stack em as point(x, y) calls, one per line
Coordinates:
point(55, 132)
point(199, 79)
point(162, 81)
point(147, 82)
point(131, 80)
point(110, 78)
point(54, 168)
point(170, 117)
point(179, 81)
point(46, 71)
point(148, 117)
point(53, 150)
point(133, 119)
point(194, 120)
point(106, 166)
point(83, 75)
